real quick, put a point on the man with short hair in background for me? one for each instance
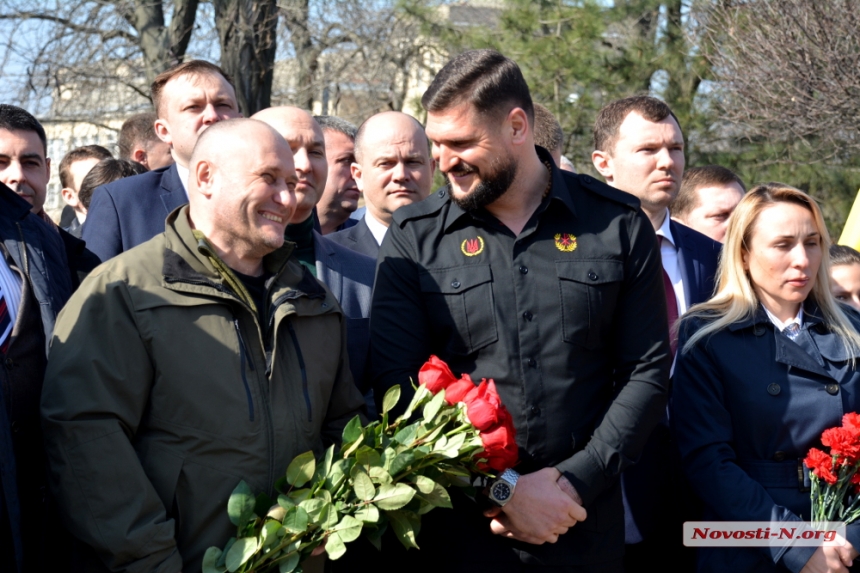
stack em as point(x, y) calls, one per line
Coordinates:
point(188, 98)
point(206, 356)
point(348, 274)
point(138, 142)
point(548, 133)
point(73, 168)
point(340, 197)
point(392, 168)
point(707, 198)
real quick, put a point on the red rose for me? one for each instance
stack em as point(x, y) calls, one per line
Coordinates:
point(843, 443)
point(436, 375)
point(851, 422)
point(483, 405)
point(457, 391)
point(500, 444)
point(821, 464)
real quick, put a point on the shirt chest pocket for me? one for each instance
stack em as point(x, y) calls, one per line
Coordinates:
point(460, 306)
point(588, 291)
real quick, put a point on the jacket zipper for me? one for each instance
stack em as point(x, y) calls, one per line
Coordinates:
point(302, 367)
point(243, 357)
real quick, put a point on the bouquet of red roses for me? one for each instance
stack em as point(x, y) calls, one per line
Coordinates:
point(835, 478)
point(385, 474)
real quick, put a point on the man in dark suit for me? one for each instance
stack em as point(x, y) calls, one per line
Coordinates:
point(349, 275)
point(188, 98)
point(392, 168)
point(639, 148)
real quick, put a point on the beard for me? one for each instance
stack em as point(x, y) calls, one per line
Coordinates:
point(491, 185)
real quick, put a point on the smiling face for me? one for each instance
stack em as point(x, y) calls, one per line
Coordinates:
point(189, 104)
point(783, 257)
point(393, 166)
point(646, 160)
point(23, 166)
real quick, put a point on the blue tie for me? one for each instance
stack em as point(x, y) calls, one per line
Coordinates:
point(792, 330)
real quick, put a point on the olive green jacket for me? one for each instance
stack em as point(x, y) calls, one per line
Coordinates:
point(161, 395)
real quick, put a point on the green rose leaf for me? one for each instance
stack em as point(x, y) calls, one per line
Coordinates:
point(286, 502)
point(421, 395)
point(240, 506)
point(334, 546)
point(401, 462)
point(363, 486)
point(222, 561)
point(352, 431)
point(368, 514)
point(404, 527)
point(431, 492)
point(210, 561)
point(300, 495)
point(407, 435)
point(349, 528)
point(241, 551)
point(289, 564)
point(301, 469)
point(336, 474)
point(391, 398)
point(366, 456)
point(296, 520)
point(394, 496)
point(325, 467)
point(269, 534)
point(432, 408)
point(379, 475)
point(452, 450)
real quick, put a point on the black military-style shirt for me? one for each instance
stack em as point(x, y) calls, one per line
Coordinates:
point(569, 318)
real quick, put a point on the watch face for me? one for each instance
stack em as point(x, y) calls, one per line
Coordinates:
point(501, 491)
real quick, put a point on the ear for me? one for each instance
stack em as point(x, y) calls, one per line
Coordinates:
point(603, 163)
point(355, 169)
point(432, 167)
point(48, 166)
point(139, 155)
point(745, 257)
point(69, 195)
point(162, 130)
point(204, 176)
point(519, 125)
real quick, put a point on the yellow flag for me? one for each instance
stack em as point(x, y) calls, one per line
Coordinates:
point(851, 231)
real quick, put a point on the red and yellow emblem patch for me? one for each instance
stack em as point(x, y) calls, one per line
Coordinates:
point(565, 242)
point(473, 247)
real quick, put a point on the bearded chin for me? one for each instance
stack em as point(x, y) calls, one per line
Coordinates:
point(490, 188)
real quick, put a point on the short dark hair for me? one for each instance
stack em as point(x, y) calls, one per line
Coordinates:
point(79, 154)
point(492, 83)
point(334, 123)
point(842, 255)
point(139, 129)
point(547, 130)
point(193, 68)
point(613, 114)
point(106, 171)
point(697, 177)
point(14, 118)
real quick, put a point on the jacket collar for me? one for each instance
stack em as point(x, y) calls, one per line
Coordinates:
point(558, 193)
point(12, 205)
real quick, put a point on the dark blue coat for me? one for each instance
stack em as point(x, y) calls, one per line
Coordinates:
point(747, 405)
point(358, 238)
point(131, 211)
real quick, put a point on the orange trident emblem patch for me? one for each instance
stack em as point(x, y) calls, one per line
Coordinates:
point(473, 247)
point(565, 242)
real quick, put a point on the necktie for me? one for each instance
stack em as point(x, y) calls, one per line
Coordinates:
point(671, 307)
point(792, 330)
point(5, 324)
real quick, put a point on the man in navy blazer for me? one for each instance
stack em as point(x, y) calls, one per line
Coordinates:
point(639, 148)
point(188, 98)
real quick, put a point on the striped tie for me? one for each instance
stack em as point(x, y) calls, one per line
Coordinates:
point(791, 331)
point(5, 324)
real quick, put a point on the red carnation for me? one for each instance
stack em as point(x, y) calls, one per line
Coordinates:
point(851, 422)
point(843, 443)
point(500, 443)
point(483, 405)
point(821, 464)
point(457, 391)
point(436, 375)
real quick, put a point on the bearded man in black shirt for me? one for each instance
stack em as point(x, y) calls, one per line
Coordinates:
point(550, 283)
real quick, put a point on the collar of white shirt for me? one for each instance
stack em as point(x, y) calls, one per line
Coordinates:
point(377, 229)
point(783, 325)
point(183, 177)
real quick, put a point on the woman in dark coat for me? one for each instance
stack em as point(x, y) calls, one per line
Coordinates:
point(765, 366)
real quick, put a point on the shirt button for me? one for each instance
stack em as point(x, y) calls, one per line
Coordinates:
point(832, 389)
point(442, 193)
point(773, 389)
point(532, 362)
point(592, 275)
point(778, 456)
point(455, 284)
point(524, 270)
point(528, 316)
point(535, 410)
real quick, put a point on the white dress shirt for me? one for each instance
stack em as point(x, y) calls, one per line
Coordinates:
point(377, 229)
point(783, 325)
point(672, 264)
point(183, 178)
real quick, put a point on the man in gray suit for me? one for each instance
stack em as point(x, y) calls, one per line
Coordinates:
point(349, 275)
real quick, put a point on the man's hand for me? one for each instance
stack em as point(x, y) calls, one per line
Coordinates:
point(836, 559)
point(539, 511)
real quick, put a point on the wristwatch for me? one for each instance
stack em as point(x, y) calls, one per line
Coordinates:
point(502, 488)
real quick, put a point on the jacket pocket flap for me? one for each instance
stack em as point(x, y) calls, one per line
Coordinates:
point(593, 272)
point(454, 280)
